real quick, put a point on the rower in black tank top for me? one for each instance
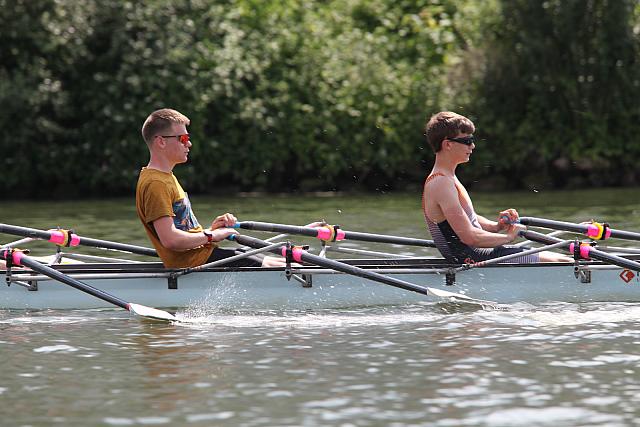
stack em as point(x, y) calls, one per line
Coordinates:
point(451, 246)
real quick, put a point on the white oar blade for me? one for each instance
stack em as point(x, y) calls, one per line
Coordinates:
point(152, 313)
point(452, 296)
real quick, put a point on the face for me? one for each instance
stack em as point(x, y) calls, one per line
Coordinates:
point(176, 143)
point(462, 144)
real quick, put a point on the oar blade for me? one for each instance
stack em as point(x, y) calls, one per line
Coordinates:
point(152, 313)
point(456, 297)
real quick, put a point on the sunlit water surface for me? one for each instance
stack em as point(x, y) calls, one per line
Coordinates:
point(555, 364)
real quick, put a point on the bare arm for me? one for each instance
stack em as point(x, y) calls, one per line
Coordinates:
point(489, 225)
point(446, 196)
point(178, 240)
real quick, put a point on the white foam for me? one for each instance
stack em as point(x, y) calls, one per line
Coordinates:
point(54, 348)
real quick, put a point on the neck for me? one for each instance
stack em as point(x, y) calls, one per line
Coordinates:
point(445, 165)
point(158, 163)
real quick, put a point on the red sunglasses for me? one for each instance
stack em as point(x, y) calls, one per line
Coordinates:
point(184, 138)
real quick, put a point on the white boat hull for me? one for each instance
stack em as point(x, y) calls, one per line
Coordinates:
point(269, 288)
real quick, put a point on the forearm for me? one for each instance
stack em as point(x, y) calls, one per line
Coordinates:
point(478, 238)
point(179, 240)
point(488, 225)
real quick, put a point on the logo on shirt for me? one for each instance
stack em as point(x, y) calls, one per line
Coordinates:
point(184, 218)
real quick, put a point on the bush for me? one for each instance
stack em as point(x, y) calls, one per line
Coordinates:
point(557, 98)
point(283, 95)
point(319, 95)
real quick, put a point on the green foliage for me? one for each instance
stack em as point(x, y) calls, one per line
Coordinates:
point(282, 95)
point(557, 101)
point(287, 95)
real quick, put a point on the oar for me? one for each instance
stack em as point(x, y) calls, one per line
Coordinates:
point(300, 255)
point(65, 238)
point(586, 251)
point(590, 230)
point(19, 258)
point(330, 233)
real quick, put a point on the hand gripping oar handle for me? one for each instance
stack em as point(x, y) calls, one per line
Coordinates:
point(57, 237)
point(300, 255)
point(586, 251)
point(590, 230)
point(329, 234)
point(19, 258)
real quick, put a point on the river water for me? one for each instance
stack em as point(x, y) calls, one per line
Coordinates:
point(429, 364)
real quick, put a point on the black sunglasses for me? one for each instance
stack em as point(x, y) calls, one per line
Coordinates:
point(466, 140)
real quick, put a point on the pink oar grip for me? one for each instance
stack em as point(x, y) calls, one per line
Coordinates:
point(324, 233)
point(16, 257)
point(584, 250)
point(594, 231)
point(58, 237)
point(296, 253)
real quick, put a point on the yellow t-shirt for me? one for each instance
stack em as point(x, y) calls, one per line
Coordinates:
point(160, 194)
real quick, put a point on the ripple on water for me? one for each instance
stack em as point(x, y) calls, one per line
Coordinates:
point(563, 314)
point(116, 421)
point(551, 416)
point(41, 319)
point(549, 365)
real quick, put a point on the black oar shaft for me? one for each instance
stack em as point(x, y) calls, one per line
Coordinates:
point(348, 235)
point(593, 253)
point(382, 238)
point(55, 274)
point(336, 265)
point(85, 241)
point(575, 228)
point(278, 228)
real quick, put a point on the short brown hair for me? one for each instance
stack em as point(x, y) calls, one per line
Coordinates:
point(160, 121)
point(446, 124)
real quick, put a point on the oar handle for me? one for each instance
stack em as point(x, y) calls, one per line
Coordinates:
point(586, 251)
point(333, 233)
point(19, 258)
point(300, 255)
point(279, 228)
point(590, 230)
point(58, 237)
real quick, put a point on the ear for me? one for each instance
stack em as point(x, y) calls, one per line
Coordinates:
point(159, 141)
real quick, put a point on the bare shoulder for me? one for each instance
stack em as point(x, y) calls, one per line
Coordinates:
point(438, 185)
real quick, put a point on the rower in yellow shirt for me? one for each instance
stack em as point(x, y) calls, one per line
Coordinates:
point(164, 207)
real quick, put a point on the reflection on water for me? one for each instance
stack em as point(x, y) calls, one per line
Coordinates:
point(557, 364)
point(421, 365)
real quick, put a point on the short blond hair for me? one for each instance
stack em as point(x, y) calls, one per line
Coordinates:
point(160, 122)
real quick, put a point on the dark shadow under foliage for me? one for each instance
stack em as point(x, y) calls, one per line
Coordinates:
point(558, 100)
